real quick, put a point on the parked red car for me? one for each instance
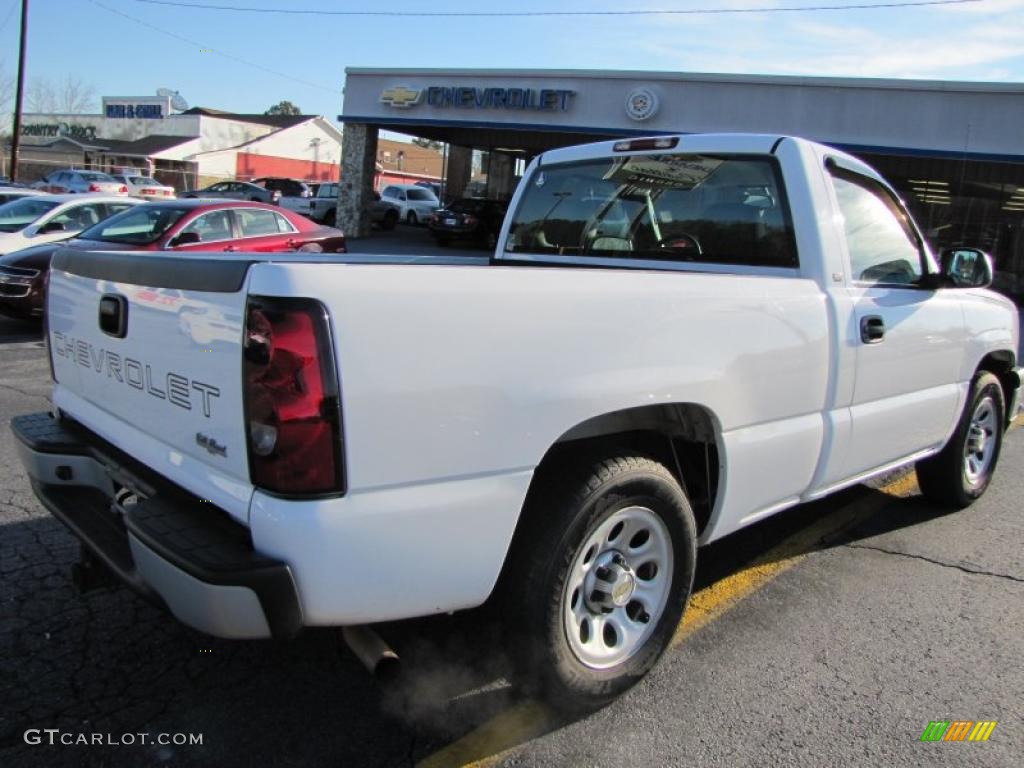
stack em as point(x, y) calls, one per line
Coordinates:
point(179, 226)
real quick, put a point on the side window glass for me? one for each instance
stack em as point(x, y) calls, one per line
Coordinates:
point(881, 243)
point(283, 225)
point(80, 217)
point(215, 225)
point(257, 223)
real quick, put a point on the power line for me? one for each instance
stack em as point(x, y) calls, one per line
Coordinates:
point(525, 14)
point(224, 54)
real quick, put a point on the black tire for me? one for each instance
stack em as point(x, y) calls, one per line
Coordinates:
point(390, 220)
point(410, 218)
point(566, 507)
point(944, 478)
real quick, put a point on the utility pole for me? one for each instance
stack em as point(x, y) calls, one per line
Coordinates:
point(16, 138)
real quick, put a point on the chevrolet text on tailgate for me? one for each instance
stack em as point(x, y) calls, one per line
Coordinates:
point(676, 337)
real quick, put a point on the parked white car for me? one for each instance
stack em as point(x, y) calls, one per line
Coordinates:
point(145, 187)
point(7, 194)
point(676, 338)
point(415, 203)
point(46, 218)
point(60, 182)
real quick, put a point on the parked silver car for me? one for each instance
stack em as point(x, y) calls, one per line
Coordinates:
point(238, 190)
point(323, 208)
point(71, 181)
point(415, 203)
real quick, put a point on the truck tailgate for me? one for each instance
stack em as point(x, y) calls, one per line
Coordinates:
point(147, 353)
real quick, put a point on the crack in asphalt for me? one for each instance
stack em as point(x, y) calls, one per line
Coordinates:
point(21, 391)
point(944, 564)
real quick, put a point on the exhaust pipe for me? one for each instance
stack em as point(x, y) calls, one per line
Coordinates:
point(375, 654)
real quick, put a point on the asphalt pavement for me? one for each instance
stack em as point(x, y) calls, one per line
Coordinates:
point(829, 635)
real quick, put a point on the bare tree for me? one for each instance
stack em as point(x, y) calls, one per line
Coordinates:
point(70, 96)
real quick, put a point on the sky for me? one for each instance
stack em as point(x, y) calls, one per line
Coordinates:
point(245, 62)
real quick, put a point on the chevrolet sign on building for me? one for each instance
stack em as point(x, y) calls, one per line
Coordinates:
point(473, 97)
point(401, 97)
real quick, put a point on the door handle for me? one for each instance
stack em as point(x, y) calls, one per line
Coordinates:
point(872, 329)
point(230, 248)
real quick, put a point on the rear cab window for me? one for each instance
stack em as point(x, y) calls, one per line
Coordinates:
point(715, 209)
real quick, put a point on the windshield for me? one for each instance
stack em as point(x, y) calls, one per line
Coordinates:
point(93, 176)
point(144, 181)
point(704, 208)
point(18, 214)
point(141, 225)
point(421, 193)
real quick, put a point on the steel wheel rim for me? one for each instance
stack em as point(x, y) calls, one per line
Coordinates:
point(980, 446)
point(606, 629)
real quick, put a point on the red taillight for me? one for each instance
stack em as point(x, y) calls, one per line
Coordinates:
point(469, 220)
point(95, 188)
point(292, 405)
point(148, 192)
point(123, 190)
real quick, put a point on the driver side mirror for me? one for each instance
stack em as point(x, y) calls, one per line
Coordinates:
point(52, 226)
point(185, 238)
point(966, 267)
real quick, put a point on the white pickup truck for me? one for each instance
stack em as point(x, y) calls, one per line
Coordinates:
point(677, 337)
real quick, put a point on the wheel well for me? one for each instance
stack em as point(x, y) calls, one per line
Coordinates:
point(680, 436)
point(1001, 364)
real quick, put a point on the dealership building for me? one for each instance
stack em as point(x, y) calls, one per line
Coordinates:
point(953, 150)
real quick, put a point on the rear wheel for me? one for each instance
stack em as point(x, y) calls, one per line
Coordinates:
point(599, 577)
point(961, 472)
point(390, 220)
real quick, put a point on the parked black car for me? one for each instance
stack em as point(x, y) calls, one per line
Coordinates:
point(469, 219)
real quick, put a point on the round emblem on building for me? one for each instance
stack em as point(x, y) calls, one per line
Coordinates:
point(641, 103)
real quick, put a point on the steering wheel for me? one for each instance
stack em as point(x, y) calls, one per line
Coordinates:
point(686, 246)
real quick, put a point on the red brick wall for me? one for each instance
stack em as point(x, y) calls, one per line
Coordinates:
point(248, 166)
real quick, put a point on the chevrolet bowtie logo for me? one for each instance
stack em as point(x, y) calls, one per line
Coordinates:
point(401, 96)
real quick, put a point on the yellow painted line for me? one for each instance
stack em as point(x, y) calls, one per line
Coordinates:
point(492, 741)
point(502, 733)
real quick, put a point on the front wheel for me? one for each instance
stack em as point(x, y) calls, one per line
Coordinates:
point(599, 578)
point(959, 474)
